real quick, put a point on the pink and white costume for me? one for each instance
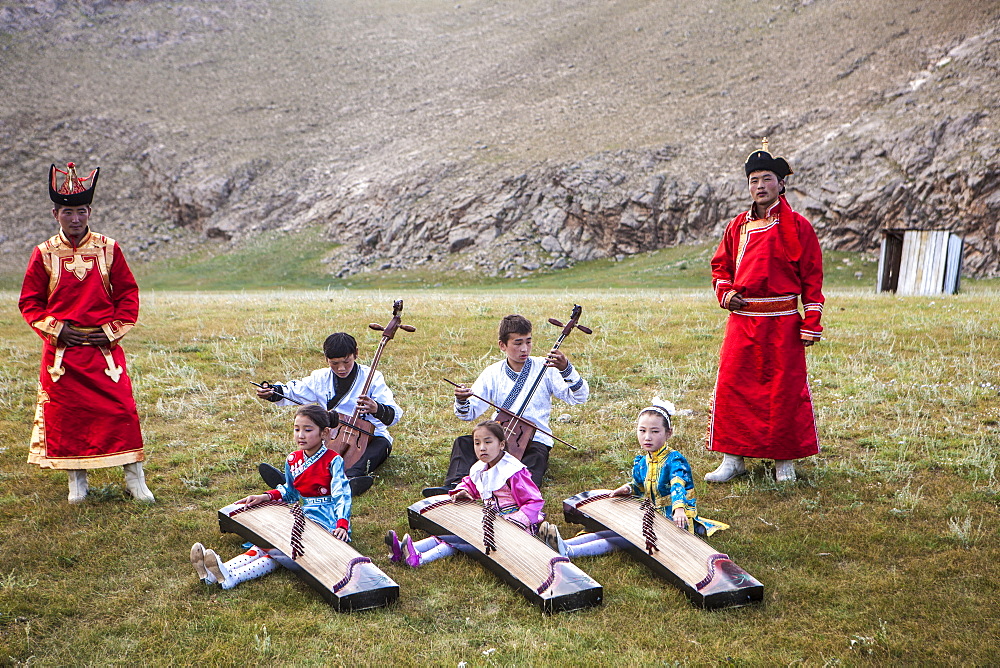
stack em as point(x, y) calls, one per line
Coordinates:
point(508, 485)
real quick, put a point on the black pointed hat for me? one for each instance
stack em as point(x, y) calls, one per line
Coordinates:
point(763, 161)
point(72, 191)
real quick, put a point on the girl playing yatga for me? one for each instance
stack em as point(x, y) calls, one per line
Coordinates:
point(314, 475)
point(497, 478)
point(660, 474)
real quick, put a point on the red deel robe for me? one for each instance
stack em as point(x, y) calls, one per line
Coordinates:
point(762, 406)
point(86, 416)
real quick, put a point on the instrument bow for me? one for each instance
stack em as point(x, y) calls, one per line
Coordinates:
point(518, 431)
point(354, 433)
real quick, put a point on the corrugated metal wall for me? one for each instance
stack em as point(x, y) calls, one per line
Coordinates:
point(953, 272)
point(930, 262)
point(921, 269)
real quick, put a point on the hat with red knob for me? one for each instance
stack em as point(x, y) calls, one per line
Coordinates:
point(73, 190)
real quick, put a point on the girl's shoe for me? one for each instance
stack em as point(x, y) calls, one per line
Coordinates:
point(549, 533)
point(411, 556)
point(198, 561)
point(392, 540)
point(215, 566)
point(554, 539)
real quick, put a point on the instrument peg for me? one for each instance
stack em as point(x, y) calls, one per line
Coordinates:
point(408, 328)
point(585, 330)
point(377, 327)
point(553, 321)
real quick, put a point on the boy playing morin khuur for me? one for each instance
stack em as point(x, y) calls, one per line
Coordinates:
point(338, 387)
point(506, 384)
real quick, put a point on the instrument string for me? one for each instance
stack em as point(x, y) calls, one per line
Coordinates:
point(436, 504)
point(681, 552)
point(648, 532)
point(594, 497)
point(489, 517)
point(520, 562)
point(262, 504)
point(298, 526)
point(298, 522)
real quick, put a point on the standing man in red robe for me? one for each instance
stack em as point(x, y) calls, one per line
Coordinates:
point(768, 260)
point(80, 297)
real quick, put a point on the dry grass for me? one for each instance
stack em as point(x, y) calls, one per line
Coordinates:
point(883, 552)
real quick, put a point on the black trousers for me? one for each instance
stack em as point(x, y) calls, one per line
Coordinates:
point(375, 455)
point(463, 456)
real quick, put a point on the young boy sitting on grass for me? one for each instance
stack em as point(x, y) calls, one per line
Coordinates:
point(506, 384)
point(338, 387)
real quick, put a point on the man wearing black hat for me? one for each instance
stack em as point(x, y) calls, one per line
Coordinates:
point(768, 261)
point(80, 297)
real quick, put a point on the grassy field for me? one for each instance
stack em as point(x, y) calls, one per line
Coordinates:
point(280, 260)
point(883, 552)
point(275, 261)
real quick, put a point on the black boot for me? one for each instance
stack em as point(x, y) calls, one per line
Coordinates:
point(360, 484)
point(272, 476)
point(436, 491)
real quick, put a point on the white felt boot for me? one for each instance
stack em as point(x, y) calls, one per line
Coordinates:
point(78, 486)
point(215, 566)
point(784, 470)
point(731, 466)
point(198, 561)
point(235, 571)
point(135, 483)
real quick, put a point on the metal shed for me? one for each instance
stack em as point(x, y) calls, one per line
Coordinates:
point(919, 262)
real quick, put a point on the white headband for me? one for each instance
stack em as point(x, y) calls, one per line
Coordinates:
point(664, 408)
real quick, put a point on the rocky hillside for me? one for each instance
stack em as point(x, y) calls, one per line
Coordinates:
point(499, 138)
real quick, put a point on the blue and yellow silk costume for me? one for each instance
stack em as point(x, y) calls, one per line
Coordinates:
point(664, 477)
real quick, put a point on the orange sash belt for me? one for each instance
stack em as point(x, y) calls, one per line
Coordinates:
point(770, 305)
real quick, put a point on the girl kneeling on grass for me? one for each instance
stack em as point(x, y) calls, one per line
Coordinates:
point(660, 474)
point(313, 474)
point(497, 478)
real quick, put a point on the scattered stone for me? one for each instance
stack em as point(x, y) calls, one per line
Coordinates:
point(925, 154)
